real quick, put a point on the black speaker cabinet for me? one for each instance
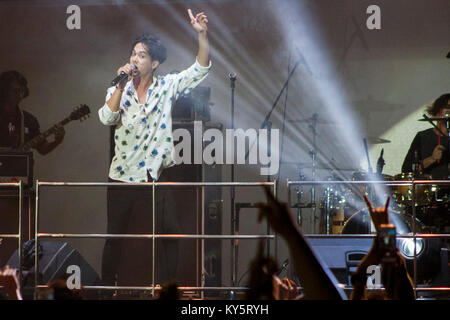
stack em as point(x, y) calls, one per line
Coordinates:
point(9, 220)
point(199, 204)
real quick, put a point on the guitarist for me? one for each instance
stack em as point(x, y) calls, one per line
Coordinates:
point(18, 126)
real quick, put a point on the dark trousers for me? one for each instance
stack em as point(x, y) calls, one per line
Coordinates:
point(123, 202)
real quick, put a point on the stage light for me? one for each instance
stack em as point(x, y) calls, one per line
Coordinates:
point(406, 247)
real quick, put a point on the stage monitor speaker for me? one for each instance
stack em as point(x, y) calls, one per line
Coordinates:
point(54, 259)
point(340, 255)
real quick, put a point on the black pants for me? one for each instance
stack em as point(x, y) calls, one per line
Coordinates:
point(122, 203)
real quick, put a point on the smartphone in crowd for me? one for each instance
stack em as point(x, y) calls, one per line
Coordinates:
point(387, 242)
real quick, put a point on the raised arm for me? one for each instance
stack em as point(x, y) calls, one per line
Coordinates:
point(314, 278)
point(199, 23)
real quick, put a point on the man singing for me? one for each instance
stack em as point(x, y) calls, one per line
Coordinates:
point(140, 108)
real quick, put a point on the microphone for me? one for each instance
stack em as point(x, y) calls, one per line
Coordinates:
point(122, 76)
point(283, 266)
point(232, 77)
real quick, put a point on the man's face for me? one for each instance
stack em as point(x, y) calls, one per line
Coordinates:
point(445, 112)
point(141, 58)
point(16, 93)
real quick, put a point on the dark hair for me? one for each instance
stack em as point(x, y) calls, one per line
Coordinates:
point(154, 46)
point(7, 78)
point(439, 104)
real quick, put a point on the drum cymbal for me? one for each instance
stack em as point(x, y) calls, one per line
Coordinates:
point(377, 140)
point(372, 104)
point(320, 166)
point(436, 119)
point(310, 120)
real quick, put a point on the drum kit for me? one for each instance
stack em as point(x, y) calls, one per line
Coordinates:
point(339, 202)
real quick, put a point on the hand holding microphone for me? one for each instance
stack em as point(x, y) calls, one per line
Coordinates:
point(123, 74)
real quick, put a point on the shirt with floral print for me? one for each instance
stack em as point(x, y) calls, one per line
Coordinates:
point(143, 135)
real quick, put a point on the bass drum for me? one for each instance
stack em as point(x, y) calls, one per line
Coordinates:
point(428, 260)
point(360, 223)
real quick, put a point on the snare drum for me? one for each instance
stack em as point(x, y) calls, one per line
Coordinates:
point(425, 193)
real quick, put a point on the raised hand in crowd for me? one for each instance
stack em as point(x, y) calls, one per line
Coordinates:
point(9, 280)
point(394, 275)
point(316, 279)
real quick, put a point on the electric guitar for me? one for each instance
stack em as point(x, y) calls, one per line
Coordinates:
point(80, 113)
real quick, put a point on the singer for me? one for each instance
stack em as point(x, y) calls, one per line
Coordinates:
point(430, 148)
point(139, 107)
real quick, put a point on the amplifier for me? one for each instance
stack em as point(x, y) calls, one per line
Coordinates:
point(16, 166)
point(193, 106)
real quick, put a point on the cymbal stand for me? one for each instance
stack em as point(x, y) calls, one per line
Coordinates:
point(299, 193)
point(313, 154)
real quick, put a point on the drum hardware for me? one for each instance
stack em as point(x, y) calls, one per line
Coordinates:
point(299, 193)
point(425, 193)
point(319, 165)
point(303, 206)
point(313, 154)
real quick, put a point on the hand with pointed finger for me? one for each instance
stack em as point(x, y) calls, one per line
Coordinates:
point(277, 214)
point(199, 21)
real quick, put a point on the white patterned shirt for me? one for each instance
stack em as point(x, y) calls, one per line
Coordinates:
point(143, 136)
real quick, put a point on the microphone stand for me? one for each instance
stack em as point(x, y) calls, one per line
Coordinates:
point(234, 226)
point(266, 119)
point(313, 154)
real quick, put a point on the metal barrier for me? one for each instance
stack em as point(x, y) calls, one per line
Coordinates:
point(152, 236)
point(19, 234)
point(414, 235)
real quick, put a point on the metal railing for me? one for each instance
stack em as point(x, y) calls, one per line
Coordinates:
point(414, 235)
point(18, 235)
point(152, 236)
